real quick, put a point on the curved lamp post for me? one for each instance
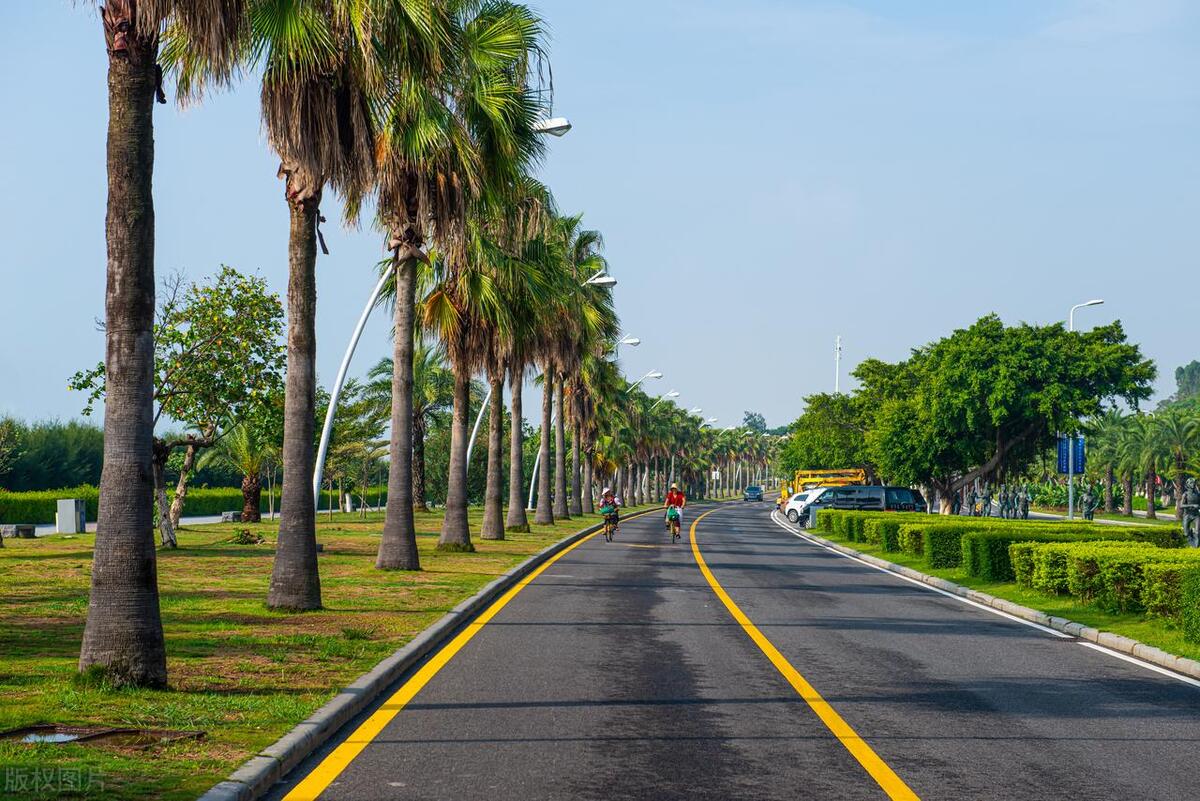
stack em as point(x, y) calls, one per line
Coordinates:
point(671, 394)
point(1071, 441)
point(554, 126)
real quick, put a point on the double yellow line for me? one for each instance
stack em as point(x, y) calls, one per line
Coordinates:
point(883, 775)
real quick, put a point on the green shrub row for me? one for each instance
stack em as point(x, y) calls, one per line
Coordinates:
point(1115, 576)
point(40, 507)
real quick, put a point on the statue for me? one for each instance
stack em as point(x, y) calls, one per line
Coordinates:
point(1090, 502)
point(1189, 513)
point(1002, 499)
point(956, 503)
point(972, 499)
point(986, 500)
point(1026, 497)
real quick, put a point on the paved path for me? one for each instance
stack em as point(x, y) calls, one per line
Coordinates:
point(619, 673)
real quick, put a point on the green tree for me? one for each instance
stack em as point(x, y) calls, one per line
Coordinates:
point(988, 398)
point(11, 435)
point(831, 434)
point(1187, 381)
point(755, 422)
point(217, 362)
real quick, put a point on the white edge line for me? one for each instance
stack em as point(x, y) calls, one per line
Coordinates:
point(1087, 644)
point(1133, 659)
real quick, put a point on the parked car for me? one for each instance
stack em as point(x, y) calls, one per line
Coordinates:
point(752, 494)
point(797, 505)
point(861, 498)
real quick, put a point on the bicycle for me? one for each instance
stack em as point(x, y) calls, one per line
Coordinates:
point(610, 525)
point(673, 523)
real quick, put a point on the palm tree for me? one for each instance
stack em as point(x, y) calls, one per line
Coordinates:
point(432, 394)
point(1178, 431)
point(123, 634)
point(1141, 451)
point(241, 450)
point(1105, 430)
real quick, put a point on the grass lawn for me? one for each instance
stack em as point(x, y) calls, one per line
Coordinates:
point(239, 672)
point(1152, 631)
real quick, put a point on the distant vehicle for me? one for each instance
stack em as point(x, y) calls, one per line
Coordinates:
point(867, 499)
point(753, 494)
point(797, 505)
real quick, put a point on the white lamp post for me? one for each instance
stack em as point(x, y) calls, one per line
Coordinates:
point(1071, 439)
point(655, 374)
point(671, 394)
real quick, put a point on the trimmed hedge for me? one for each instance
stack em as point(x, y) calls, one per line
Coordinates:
point(40, 507)
point(1115, 576)
point(912, 539)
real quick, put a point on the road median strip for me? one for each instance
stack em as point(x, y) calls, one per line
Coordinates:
point(1179, 667)
point(257, 775)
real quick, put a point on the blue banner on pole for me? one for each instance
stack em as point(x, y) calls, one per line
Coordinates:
point(1079, 454)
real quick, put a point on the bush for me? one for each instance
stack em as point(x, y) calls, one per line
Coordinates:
point(1162, 589)
point(943, 544)
point(1189, 603)
point(912, 539)
point(871, 531)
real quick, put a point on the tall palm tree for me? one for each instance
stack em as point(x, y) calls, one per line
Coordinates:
point(123, 634)
point(320, 70)
point(1141, 452)
point(1106, 430)
point(1178, 431)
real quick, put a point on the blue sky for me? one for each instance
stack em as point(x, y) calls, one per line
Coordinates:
point(767, 175)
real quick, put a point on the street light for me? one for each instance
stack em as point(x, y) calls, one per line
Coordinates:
point(1077, 306)
point(601, 278)
point(655, 374)
point(554, 126)
point(671, 394)
point(1071, 440)
point(697, 410)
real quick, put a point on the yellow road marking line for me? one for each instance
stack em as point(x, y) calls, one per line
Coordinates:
point(340, 758)
point(887, 779)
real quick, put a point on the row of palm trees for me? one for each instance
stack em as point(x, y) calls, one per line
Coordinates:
point(425, 113)
point(1143, 451)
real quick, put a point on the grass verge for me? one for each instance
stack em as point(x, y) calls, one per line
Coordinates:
point(1152, 631)
point(238, 671)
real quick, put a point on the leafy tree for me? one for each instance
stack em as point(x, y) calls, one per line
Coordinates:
point(831, 434)
point(1187, 381)
point(987, 398)
point(217, 362)
point(11, 434)
point(755, 422)
point(54, 455)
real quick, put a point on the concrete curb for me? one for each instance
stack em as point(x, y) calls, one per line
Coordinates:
point(256, 776)
point(1115, 642)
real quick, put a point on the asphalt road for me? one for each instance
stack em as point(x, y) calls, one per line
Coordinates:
point(620, 674)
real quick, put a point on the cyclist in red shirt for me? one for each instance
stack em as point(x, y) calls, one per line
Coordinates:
point(674, 498)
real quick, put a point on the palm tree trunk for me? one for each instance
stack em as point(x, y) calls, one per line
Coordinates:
point(419, 495)
point(1109, 505)
point(493, 506)
point(1151, 494)
point(251, 498)
point(588, 484)
point(295, 580)
point(560, 453)
point(124, 633)
point(181, 487)
point(517, 519)
point(1127, 487)
point(1180, 474)
point(398, 545)
point(576, 468)
point(544, 514)
point(456, 531)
